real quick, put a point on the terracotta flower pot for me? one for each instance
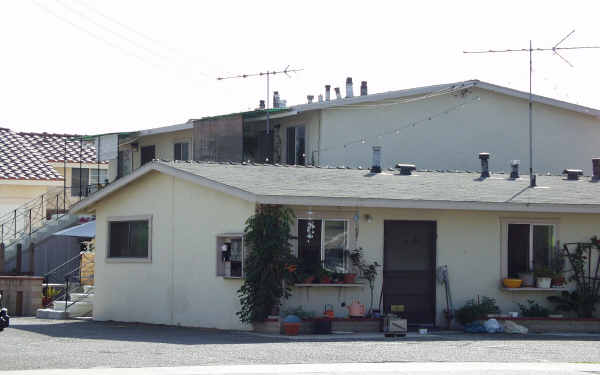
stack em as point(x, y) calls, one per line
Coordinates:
point(325, 280)
point(349, 278)
point(309, 280)
point(291, 329)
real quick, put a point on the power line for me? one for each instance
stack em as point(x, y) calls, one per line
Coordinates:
point(267, 74)
point(554, 49)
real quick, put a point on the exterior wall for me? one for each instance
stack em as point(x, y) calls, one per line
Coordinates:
point(179, 286)
point(31, 289)
point(13, 196)
point(309, 119)
point(497, 124)
point(164, 145)
point(468, 242)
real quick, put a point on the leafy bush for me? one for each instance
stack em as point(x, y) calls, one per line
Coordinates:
point(534, 310)
point(299, 312)
point(477, 310)
point(267, 268)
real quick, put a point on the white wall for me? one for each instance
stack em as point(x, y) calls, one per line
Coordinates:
point(179, 286)
point(497, 124)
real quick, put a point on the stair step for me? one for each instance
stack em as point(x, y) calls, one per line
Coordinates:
point(51, 314)
point(89, 288)
point(74, 309)
point(82, 297)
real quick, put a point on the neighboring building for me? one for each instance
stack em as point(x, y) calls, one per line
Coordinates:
point(161, 228)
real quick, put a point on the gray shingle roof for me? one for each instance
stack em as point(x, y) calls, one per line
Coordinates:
point(295, 181)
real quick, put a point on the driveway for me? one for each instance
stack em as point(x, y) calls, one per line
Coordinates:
point(45, 344)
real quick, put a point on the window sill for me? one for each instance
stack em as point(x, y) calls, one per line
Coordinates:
point(328, 285)
point(128, 260)
point(534, 290)
point(231, 277)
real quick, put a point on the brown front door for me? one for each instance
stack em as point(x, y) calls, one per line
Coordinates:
point(409, 269)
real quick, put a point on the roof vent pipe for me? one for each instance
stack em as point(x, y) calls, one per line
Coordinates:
point(596, 168)
point(485, 170)
point(376, 166)
point(275, 99)
point(349, 91)
point(320, 98)
point(338, 95)
point(363, 88)
point(310, 98)
point(261, 104)
point(573, 174)
point(514, 169)
point(327, 92)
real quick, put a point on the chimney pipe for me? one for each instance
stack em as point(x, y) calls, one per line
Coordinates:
point(261, 104)
point(320, 98)
point(275, 99)
point(363, 88)
point(485, 171)
point(376, 167)
point(514, 165)
point(310, 98)
point(327, 92)
point(338, 95)
point(349, 91)
point(596, 169)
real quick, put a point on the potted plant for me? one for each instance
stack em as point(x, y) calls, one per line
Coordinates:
point(349, 278)
point(355, 259)
point(291, 325)
point(527, 278)
point(324, 276)
point(338, 278)
point(543, 277)
point(557, 264)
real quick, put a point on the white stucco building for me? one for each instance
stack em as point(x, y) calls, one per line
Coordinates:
point(160, 231)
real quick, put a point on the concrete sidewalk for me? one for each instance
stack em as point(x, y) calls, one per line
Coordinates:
point(466, 368)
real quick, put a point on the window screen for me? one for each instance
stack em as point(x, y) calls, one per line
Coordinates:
point(79, 181)
point(129, 239)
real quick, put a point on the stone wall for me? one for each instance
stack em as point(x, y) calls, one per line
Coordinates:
point(21, 295)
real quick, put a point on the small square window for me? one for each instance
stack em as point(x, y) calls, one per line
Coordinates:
point(129, 239)
point(181, 151)
point(529, 247)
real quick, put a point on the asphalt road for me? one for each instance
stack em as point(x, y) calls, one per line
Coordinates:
point(45, 344)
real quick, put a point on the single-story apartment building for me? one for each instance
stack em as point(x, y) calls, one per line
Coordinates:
point(160, 232)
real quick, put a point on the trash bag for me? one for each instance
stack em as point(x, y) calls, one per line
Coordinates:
point(474, 327)
point(492, 326)
point(512, 327)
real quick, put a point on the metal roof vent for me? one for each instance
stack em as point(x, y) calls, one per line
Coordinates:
point(406, 169)
point(485, 170)
point(327, 92)
point(376, 167)
point(338, 95)
point(349, 90)
point(596, 168)
point(573, 174)
point(514, 169)
point(310, 98)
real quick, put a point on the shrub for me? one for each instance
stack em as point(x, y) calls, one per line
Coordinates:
point(477, 310)
point(534, 310)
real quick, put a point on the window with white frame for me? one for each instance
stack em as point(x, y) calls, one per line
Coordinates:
point(323, 242)
point(181, 151)
point(529, 246)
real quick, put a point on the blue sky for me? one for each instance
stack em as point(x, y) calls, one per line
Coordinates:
point(93, 66)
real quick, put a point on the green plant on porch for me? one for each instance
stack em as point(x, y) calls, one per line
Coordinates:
point(368, 271)
point(534, 310)
point(268, 268)
point(584, 260)
point(477, 310)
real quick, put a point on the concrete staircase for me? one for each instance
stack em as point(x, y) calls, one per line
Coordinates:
point(79, 304)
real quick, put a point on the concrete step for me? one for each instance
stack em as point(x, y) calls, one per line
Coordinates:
point(82, 297)
point(51, 314)
point(74, 309)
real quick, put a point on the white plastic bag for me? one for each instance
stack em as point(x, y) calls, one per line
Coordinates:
point(492, 326)
point(512, 327)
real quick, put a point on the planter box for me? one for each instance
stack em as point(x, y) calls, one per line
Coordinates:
point(557, 325)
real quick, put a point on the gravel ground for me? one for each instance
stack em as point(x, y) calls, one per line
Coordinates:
point(36, 344)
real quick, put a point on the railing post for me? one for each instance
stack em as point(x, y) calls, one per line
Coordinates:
point(15, 224)
point(45, 289)
point(66, 292)
point(3, 233)
point(30, 222)
point(57, 205)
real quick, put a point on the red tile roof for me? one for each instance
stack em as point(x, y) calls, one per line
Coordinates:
point(52, 147)
point(19, 160)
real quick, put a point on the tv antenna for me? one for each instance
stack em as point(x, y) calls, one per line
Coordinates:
point(531, 50)
point(267, 74)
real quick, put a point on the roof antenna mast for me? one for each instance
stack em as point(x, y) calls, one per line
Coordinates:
point(531, 50)
point(268, 73)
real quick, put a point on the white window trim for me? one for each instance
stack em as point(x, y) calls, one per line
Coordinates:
point(322, 220)
point(113, 219)
point(554, 222)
